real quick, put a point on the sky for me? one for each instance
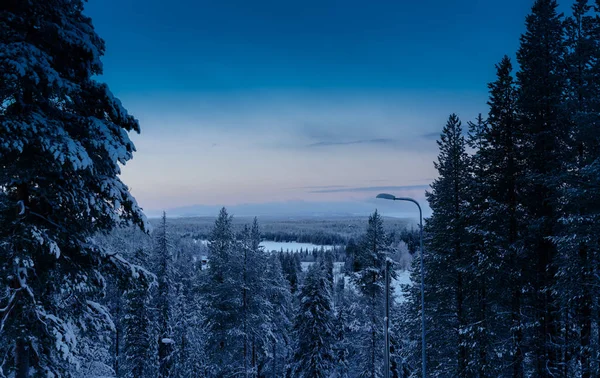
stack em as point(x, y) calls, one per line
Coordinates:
point(296, 104)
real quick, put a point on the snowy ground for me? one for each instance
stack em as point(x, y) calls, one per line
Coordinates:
point(291, 246)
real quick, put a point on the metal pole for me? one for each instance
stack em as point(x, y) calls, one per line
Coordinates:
point(423, 328)
point(424, 347)
point(387, 320)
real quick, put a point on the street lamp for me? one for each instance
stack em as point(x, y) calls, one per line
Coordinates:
point(423, 353)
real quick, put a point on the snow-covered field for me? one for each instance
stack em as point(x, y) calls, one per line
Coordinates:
point(291, 246)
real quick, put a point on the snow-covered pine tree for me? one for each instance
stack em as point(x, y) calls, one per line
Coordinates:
point(341, 329)
point(544, 135)
point(577, 242)
point(494, 226)
point(482, 270)
point(314, 356)
point(137, 321)
point(369, 280)
point(185, 306)
point(222, 297)
point(163, 268)
point(256, 307)
point(290, 270)
point(447, 278)
point(62, 138)
point(279, 296)
point(192, 334)
point(327, 261)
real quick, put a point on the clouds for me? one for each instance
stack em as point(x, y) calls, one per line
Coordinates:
point(432, 136)
point(255, 146)
point(378, 141)
point(366, 189)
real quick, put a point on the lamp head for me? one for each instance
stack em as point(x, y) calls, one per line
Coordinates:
point(386, 196)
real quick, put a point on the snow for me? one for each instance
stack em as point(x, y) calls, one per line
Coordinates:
point(270, 246)
point(402, 278)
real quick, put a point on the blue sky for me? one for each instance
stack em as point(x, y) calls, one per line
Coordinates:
point(250, 102)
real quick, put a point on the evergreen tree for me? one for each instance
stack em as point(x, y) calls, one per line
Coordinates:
point(290, 270)
point(314, 357)
point(62, 138)
point(341, 332)
point(137, 320)
point(223, 300)
point(369, 281)
point(494, 226)
point(256, 306)
point(279, 326)
point(541, 148)
point(447, 265)
point(164, 299)
point(577, 254)
point(185, 306)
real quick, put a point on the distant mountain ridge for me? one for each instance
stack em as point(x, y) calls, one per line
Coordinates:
point(298, 209)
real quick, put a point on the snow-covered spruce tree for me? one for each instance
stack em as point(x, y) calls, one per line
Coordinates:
point(138, 336)
point(256, 307)
point(185, 310)
point(314, 356)
point(447, 279)
point(494, 229)
point(341, 329)
point(62, 138)
point(222, 298)
point(290, 270)
point(542, 149)
point(279, 326)
point(577, 242)
point(327, 261)
point(482, 269)
point(368, 278)
point(190, 334)
point(163, 299)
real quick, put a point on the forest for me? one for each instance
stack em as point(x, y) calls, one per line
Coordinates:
point(90, 288)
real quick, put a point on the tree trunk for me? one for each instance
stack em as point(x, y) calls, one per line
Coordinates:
point(21, 346)
point(517, 334)
point(22, 358)
point(586, 316)
point(274, 359)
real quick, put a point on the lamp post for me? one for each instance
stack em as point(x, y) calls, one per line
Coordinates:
point(386, 333)
point(423, 352)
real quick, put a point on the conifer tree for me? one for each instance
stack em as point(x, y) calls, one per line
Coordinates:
point(136, 321)
point(482, 271)
point(62, 138)
point(256, 307)
point(164, 299)
point(447, 278)
point(370, 258)
point(544, 134)
point(577, 255)
point(341, 332)
point(314, 356)
point(185, 306)
point(495, 224)
point(222, 296)
point(280, 317)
